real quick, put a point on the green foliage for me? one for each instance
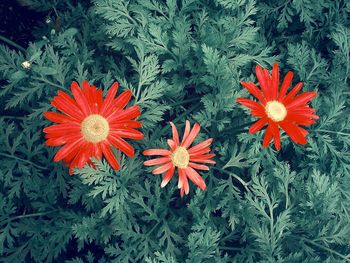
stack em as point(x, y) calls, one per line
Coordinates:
point(182, 60)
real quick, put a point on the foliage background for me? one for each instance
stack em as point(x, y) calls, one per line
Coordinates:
point(183, 59)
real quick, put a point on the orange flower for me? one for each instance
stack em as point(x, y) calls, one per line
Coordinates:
point(184, 158)
point(90, 125)
point(277, 108)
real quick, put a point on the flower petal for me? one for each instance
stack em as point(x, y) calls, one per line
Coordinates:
point(275, 80)
point(263, 81)
point(286, 100)
point(172, 144)
point(127, 133)
point(80, 97)
point(107, 104)
point(107, 152)
point(163, 168)
point(252, 105)
point(122, 145)
point(58, 118)
point(187, 131)
point(267, 137)
point(198, 166)
point(128, 113)
point(301, 99)
point(285, 84)
point(276, 135)
point(195, 177)
point(293, 131)
point(66, 149)
point(167, 177)
point(193, 134)
point(162, 152)
point(257, 125)
point(250, 86)
point(157, 161)
point(175, 134)
point(198, 147)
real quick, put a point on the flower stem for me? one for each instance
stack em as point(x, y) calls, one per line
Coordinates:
point(50, 83)
point(29, 215)
point(334, 132)
point(23, 160)
point(245, 184)
point(10, 42)
point(346, 258)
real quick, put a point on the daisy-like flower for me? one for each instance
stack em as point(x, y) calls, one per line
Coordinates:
point(90, 125)
point(183, 157)
point(277, 108)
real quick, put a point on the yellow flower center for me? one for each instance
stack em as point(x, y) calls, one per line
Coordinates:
point(95, 128)
point(180, 157)
point(275, 110)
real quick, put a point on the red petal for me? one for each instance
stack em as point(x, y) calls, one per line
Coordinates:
point(63, 129)
point(67, 105)
point(107, 152)
point(292, 93)
point(200, 152)
point(193, 134)
point(175, 134)
point(275, 80)
point(157, 161)
point(167, 177)
point(285, 84)
point(257, 126)
point(301, 99)
point(172, 144)
point(162, 152)
point(80, 98)
point(182, 178)
point(185, 186)
point(122, 145)
point(252, 105)
point(250, 86)
point(58, 118)
point(198, 166)
point(276, 135)
point(66, 149)
point(195, 178)
point(263, 81)
point(124, 124)
point(163, 168)
point(128, 133)
point(205, 158)
point(187, 131)
point(200, 146)
point(107, 104)
point(123, 99)
point(293, 131)
point(267, 137)
point(128, 113)
point(302, 119)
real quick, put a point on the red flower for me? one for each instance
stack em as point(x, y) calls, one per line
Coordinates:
point(184, 158)
point(279, 109)
point(90, 125)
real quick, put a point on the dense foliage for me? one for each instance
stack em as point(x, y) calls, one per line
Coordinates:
point(183, 59)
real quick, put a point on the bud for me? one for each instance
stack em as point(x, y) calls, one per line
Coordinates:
point(26, 64)
point(48, 20)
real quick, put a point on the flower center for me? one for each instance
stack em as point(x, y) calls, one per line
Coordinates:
point(275, 110)
point(95, 128)
point(180, 157)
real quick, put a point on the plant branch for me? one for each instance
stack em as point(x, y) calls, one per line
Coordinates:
point(10, 42)
point(23, 160)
